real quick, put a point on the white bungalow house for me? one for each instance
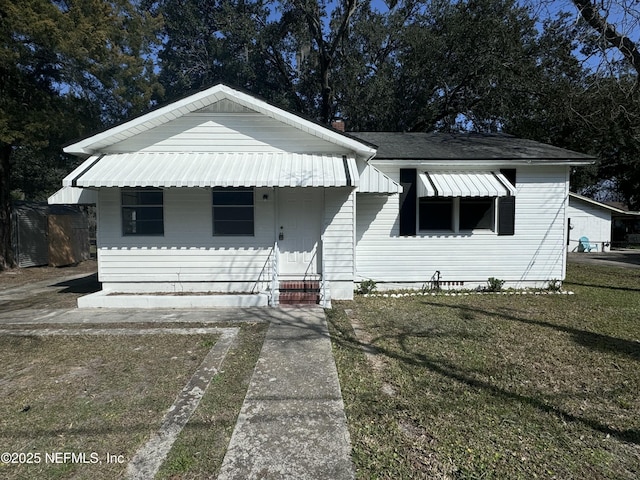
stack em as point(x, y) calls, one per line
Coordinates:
point(223, 192)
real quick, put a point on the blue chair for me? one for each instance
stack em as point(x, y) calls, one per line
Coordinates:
point(585, 246)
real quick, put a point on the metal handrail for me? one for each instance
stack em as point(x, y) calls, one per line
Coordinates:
point(323, 278)
point(274, 274)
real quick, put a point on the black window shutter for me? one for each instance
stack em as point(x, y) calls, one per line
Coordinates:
point(408, 178)
point(506, 215)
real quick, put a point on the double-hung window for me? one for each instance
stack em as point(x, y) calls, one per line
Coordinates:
point(142, 211)
point(459, 202)
point(456, 214)
point(233, 211)
point(477, 213)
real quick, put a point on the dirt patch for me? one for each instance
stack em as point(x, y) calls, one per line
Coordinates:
point(46, 287)
point(25, 276)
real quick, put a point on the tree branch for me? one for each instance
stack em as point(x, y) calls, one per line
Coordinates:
point(623, 43)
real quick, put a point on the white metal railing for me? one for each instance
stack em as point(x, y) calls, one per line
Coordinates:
point(275, 291)
point(325, 301)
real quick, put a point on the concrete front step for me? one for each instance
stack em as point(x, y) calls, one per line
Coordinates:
point(299, 286)
point(299, 298)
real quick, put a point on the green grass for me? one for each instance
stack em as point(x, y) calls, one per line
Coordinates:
point(493, 386)
point(199, 450)
point(88, 394)
point(108, 395)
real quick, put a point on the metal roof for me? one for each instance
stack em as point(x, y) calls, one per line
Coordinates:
point(182, 169)
point(467, 147)
point(373, 180)
point(604, 206)
point(73, 196)
point(464, 184)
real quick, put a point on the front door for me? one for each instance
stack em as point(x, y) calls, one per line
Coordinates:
point(299, 225)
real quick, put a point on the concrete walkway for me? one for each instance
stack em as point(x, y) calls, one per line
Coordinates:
point(292, 423)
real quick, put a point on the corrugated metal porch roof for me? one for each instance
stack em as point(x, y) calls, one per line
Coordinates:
point(73, 196)
point(373, 180)
point(464, 184)
point(191, 169)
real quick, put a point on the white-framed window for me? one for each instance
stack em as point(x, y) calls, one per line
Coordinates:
point(233, 211)
point(142, 211)
point(456, 214)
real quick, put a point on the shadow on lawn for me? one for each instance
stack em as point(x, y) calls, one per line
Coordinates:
point(606, 287)
point(449, 370)
point(596, 341)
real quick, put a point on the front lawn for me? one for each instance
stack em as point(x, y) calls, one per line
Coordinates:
point(81, 406)
point(495, 386)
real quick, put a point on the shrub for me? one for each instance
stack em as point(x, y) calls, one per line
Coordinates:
point(494, 284)
point(366, 286)
point(554, 285)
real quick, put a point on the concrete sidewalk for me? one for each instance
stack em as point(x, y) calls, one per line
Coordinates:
point(292, 423)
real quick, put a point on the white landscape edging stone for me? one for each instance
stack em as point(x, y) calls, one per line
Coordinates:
point(462, 294)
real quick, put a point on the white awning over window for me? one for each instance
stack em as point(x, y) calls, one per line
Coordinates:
point(464, 184)
point(192, 169)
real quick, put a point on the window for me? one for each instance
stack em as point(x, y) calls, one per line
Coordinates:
point(435, 213)
point(456, 214)
point(142, 211)
point(476, 213)
point(233, 211)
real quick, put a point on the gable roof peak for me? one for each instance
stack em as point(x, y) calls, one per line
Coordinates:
point(203, 100)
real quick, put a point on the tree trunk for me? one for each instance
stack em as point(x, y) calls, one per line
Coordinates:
point(6, 254)
point(327, 97)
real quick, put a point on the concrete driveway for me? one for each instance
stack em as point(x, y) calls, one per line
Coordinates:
point(627, 258)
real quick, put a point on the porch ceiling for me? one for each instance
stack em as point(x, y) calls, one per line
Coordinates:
point(191, 169)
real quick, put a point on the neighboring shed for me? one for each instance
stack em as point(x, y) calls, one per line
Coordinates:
point(592, 219)
point(53, 235)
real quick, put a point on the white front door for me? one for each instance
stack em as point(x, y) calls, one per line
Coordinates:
point(299, 226)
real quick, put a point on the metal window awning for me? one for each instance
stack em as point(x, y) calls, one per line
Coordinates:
point(215, 169)
point(464, 184)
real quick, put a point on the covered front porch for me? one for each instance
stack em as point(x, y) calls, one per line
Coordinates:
point(270, 232)
point(223, 193)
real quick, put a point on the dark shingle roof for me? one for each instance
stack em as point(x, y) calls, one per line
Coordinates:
point(463, 146)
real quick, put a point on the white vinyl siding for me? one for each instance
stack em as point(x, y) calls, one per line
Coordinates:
point(211, 132)
point(535, 253)
point(188, 252)
point(338, 246)
point(588, 221)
